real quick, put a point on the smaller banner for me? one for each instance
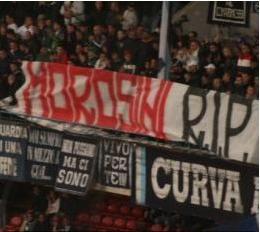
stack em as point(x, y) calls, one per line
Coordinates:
point(195, 185)
point(43, 155)
point(77, 163)
point(229, 12)
point(115, 164)
point(13, 141)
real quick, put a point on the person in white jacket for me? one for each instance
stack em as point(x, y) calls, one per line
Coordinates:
point(53, 203)
point(73, 12)
point(130, 18)
point(102, 62)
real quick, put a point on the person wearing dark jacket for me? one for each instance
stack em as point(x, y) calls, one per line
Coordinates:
point(4, 63)
point(39, 201)
point(239, 88)
point(193, 75)
point(41, 224)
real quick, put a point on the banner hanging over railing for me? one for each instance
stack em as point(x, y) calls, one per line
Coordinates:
point(115, 164)
point(43, 155)
point(196, 185)
point(224, 124)
point(13, 145)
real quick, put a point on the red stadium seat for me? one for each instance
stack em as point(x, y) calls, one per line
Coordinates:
point(16, 221)
point(138, 212)
point(95, 219)
point(11, 228)
point(112, 208)
point(120, 223)
point(131, 225)
point(83, 218)
point(156, 228)
point(100, 206)
point(107, 221)
point(125, 210)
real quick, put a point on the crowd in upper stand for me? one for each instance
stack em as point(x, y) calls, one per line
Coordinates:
point(123, 37)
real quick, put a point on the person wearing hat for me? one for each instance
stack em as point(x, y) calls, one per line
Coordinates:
point(193, 75)
point(211, 71)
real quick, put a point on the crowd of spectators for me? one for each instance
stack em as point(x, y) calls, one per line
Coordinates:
point(49, 211)
point(119, 36)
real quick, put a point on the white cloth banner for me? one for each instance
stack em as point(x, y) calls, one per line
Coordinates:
point(224, 124)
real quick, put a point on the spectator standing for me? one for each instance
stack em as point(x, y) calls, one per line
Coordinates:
point(114, 16)
point(196, 53)
point(10, 23)
point(58, 36)
point(99, 14)
point(193, 76)
point(228, 62)
point(53, 203)
point(214, 55)
point(4, 63)
point(26, 27)
point(73, 12)
point(39, 201)
point(41, 224)
point(130, 18)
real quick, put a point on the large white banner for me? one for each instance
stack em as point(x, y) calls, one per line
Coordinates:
point(224, 124)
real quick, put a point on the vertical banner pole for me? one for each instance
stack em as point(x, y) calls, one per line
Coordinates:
point(163, 46)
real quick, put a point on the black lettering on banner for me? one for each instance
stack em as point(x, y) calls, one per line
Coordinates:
point(214, 143)
point(235, 131)
point(195, 184)
point(77, 163)
point(189, 123)
point(13, 142)
point(43, 155)
point(114, 165)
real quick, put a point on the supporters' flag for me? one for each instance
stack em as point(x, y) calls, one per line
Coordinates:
point(162, 109)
